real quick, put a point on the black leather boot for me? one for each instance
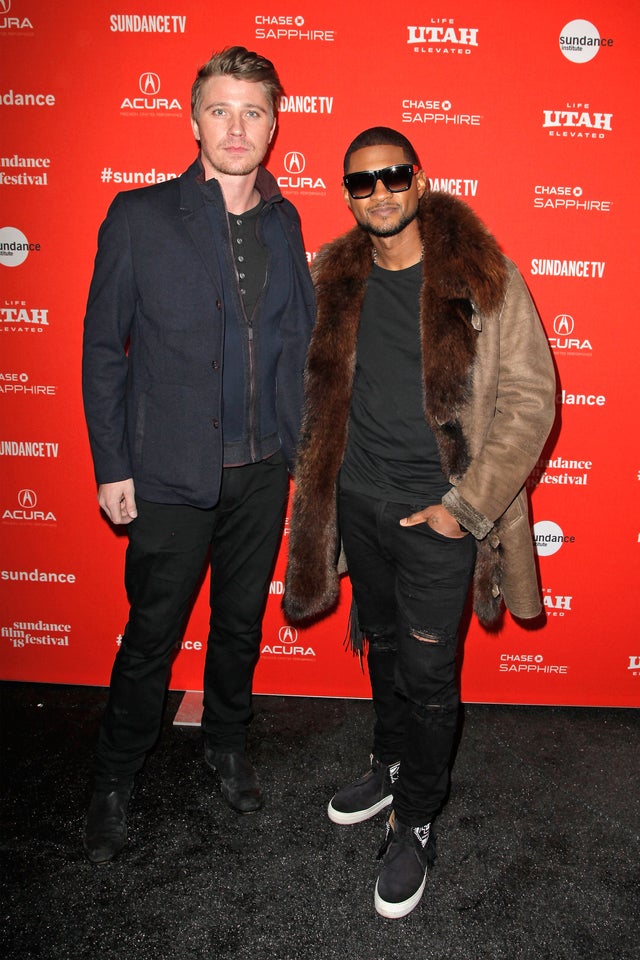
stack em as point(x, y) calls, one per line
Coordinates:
point(239, 782)
point(105, 831)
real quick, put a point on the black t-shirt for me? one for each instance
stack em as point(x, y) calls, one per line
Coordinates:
point(391, 450)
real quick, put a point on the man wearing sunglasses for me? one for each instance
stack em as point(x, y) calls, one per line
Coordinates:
point(430, 393)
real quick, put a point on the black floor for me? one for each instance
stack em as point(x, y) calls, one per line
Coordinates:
point(539, 846)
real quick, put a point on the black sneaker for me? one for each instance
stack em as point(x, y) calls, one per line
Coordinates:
point(406, 854)
point(365, 797)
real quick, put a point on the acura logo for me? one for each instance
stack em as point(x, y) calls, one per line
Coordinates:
point(5, 6)
point(287, 635)
point(27, 499)
point(149, 84)
point(563, 325)
point(294, 162)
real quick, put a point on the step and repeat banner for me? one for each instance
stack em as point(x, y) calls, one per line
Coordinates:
point(526, 111)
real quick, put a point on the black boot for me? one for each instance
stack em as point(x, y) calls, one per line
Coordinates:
point(239, 782)
point(105, 831)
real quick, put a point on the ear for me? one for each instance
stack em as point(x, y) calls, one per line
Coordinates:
point(422, 182)
point(273, 130)
point(195, 128)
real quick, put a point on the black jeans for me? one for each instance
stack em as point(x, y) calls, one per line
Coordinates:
point(167, 552)
point(410, 586)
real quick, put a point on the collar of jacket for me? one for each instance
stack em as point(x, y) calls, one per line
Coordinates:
point(191, 181)
point(464, 281)
point(462, 259)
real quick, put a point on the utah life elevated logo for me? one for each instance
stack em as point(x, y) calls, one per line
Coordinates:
point(577, 121)
point(150, 103)
point(441, 36)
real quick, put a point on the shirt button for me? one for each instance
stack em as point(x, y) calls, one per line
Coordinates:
point(215, 364)
point(240, 259)
point(239, 222)
point(241, 276)
point(219, 304)
point(239, 240)
point(216, 423)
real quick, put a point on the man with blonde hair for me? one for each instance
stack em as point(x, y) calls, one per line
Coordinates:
point(197, 324)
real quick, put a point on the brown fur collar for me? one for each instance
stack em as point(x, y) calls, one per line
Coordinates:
point(464, 278)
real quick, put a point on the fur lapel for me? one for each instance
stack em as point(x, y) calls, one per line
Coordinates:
point(464, 279)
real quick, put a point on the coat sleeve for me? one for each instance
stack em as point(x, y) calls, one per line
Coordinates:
point(295, 327)
point(518, 385)
point(109, 316)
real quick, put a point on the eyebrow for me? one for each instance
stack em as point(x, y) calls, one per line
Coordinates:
point(228, 103)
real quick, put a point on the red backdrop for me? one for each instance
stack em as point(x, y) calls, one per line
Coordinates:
point(527, 111)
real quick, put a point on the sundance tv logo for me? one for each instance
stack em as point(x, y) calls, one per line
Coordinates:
point(150, 103)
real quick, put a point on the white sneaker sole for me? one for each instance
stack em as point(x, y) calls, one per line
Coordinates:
point(393, 911)
point(337, 816)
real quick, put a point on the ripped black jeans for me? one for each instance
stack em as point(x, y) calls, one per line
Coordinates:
point(410, 586)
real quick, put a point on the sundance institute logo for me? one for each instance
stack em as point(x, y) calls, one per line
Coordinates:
point(580, 41)
point(14, 247)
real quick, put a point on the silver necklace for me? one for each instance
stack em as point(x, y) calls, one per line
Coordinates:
point(374, 254)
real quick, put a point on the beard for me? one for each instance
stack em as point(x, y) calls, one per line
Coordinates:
point(392, 229)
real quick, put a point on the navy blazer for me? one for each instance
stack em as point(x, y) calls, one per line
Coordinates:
point(153, 340)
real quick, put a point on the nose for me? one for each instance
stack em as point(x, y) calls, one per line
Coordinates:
point(236, 124)
point(380, 189)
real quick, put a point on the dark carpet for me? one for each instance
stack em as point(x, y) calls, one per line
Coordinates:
point(538, 846)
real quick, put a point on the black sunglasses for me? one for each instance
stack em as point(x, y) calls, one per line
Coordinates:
point(395, 179)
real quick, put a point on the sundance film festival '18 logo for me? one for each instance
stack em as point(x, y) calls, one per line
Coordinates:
point(288, 645)
point(150, 102)
point(15, 22)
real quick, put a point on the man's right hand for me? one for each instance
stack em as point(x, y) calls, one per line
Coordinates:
point(118, 500)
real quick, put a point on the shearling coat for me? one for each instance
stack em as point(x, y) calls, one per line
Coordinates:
point(489, 397)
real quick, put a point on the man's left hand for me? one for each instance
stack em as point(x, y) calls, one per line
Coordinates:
point(439, 518)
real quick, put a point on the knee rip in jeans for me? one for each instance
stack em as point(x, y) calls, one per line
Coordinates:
point(429, 635)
